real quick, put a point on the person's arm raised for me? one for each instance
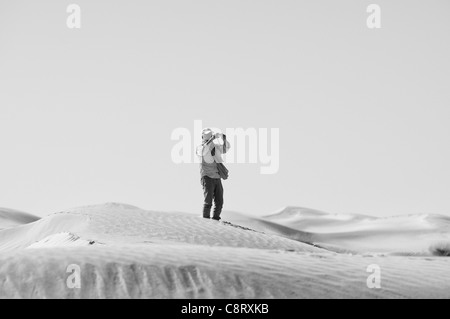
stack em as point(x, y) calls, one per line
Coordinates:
point(207, 147)
point(227, 144)
point(221, 147)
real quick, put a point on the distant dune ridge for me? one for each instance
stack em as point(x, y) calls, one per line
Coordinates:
point(126, 252)
point(10, 218)
point(418, 234)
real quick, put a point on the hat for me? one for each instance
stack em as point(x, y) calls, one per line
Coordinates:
point(207, 133)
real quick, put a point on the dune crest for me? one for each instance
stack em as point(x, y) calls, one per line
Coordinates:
point(61, 240)
point(11, 218)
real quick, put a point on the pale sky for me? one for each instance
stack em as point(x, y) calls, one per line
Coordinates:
point(86, 115)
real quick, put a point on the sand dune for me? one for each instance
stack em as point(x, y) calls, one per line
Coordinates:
point(197, 271)
point(315, 221)
point(125, 252)
point(401, 235)
point(61, 240)
point(10, 218)
point(123, 224)
point(270, 227)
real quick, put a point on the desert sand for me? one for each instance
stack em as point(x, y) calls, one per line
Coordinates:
point(10, 218)
point(125, 252)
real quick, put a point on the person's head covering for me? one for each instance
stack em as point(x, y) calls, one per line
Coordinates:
point(207, 133)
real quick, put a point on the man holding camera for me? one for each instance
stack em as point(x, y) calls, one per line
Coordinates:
point(211, 171)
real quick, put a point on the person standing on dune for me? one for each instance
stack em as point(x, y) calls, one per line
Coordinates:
point(212, 171)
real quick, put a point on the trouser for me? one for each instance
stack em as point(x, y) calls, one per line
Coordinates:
point(213, 191)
